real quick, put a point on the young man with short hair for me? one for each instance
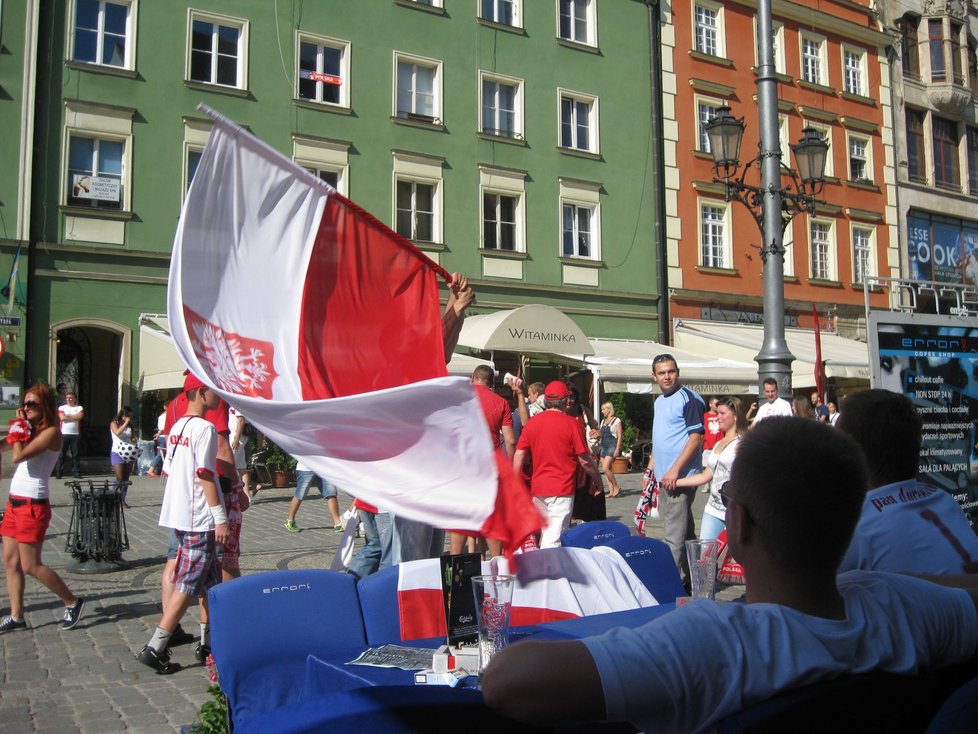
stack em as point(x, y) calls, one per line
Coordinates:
point(775, 406)
point(193, 509)
point(71, 415)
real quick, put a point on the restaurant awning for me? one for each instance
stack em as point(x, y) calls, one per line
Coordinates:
point(843, 358)
point(160, 367)
point(463, 364)
point(533, 329)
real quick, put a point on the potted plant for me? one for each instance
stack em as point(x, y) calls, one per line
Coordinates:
point(621, 464)
point(281, 464)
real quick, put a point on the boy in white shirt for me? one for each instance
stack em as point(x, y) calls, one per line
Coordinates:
point(192, 507)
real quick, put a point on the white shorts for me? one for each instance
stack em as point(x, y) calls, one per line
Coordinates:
point(559, 511)
point(240, 459)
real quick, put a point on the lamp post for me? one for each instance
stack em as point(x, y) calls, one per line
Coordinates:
point(772, 205)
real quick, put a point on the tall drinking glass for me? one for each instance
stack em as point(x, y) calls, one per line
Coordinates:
point(702, 556)
point(493, 604)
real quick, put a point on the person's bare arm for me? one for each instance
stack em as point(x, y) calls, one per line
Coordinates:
point(619, 434)
point(519, 456)
point(214, 500)
point(460, 297)
point(693, 443)
point(48, 439)
point(521, 408)
point(695, 480)
point(239, 422)
point(509, 440)
point(587, 462)
point(544, 682)
point(225, 458)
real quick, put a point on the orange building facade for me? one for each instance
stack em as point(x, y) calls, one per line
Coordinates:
point(834, 76)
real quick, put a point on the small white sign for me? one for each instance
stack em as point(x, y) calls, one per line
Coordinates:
point(99, 188)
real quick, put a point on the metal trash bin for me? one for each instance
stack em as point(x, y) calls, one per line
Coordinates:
point(97, 533)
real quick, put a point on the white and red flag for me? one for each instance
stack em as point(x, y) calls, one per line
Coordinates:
point(323, 326)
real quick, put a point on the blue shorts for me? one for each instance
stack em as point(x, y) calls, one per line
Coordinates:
point(306, 480)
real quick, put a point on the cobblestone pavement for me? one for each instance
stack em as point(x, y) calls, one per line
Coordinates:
point(87, 679)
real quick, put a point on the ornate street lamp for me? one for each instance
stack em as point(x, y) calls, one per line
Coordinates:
point(772, 204)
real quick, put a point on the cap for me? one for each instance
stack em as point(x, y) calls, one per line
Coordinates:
point(191, 381)
point(556, 390)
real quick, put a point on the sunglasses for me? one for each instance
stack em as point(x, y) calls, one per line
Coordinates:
point(663, 358)
point(31, 404)
point(725, 496)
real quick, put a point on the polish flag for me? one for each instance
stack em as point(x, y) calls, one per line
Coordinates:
point(553, 584)
point(323, 327)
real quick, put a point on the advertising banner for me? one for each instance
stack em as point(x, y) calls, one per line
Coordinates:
point(942, 249)
point(933, 360)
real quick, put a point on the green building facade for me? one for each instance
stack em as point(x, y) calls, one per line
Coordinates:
point(511, 140)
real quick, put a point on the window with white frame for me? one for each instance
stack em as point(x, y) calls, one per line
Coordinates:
point(418, 197)
point(217, 50)
point(325, 158)
point(783, 138)
point(578, 121)
point(576, 21)
point(862, 254)
point(813, 59)
point(417, 88)
point(196, 133)
point(825, 133)
point(95, 171)
point(714, 235)
point(788, 243)
point(854, 70)
point(580, 228)
point(860, 168)
point(103, 33)
point(192, 160)
point(324, 73)
point(504, 12)
point(778, 33)
point(708, 28)
point(706, 110)
point(503, 221)
point(822, 260)
point(502, 105)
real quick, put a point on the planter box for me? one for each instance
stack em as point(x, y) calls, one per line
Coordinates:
point(620, 465)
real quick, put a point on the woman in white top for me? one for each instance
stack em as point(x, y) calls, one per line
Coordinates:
point(732, 418)
point(28, 511)
point(121, 430)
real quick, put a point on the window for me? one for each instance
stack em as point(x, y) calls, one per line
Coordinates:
point(973, 160)
point(973, 65)
point(576, 21)
point(909, 52)
point(945, 153)
point(789, 251)
point(502, 209)
point(954, 47)
point(812, 64)
point(579, 218)
point(853, 76)
point(502, 106)
point(196, 133)
point(779, 62)
point(935, 35)
point(859, 165)
point(714, 242)
point(217, 50)
point(578, 122)
point(822, 259)
point(862, 254)
point(418, 92)
point(325, 158)
point(783, 137)
point(193, 160)
point(504, 12)
point(708, 33)
point(95, 172)
point(323, 71)
point(102, 31)
point(706, 110)
point(418, 197)
point(916, 162)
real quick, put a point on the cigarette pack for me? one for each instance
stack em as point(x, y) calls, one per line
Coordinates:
point(451, 658)
point(431, 678)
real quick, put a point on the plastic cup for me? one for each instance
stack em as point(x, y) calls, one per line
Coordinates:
point(703, 556)
point(493, 604)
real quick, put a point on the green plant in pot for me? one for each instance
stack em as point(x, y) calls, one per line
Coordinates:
point(277, 460)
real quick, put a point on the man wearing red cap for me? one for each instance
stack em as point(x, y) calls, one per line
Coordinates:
point(555, 443)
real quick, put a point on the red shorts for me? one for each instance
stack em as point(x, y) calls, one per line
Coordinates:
point(27, 522)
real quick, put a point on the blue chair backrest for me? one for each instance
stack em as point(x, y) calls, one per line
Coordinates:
point(381, 612)
point(651, 560)
point(959, 713)
point(264, 626)
point(596, 532)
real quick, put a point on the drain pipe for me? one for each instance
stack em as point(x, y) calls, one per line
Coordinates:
point(658, 169)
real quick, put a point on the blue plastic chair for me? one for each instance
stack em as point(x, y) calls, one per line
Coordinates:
point(959, 713)
point(378, 600)
point(596, 532)
point(264, 626)
point(651, 560)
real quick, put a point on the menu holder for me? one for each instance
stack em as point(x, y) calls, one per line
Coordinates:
point(456, 575)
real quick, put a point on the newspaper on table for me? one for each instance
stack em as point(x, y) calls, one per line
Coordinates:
point(396, 656)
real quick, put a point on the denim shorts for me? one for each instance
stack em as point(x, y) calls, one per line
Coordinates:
point(305, 480)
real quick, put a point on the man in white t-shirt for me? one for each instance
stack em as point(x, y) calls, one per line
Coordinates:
point(906, 526)
point(71, 414)
point(773, 407)
point(193, 509)
point(687, 670)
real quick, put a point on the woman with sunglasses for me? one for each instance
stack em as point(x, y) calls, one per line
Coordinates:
point(36, 447)
point(732, 418)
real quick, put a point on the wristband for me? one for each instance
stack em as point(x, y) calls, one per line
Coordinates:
point(219, 514)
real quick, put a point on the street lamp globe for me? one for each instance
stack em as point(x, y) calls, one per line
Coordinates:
point(725, 133)
point(811, 153)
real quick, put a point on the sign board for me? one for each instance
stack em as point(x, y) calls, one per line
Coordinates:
point(741, 316)
point(325, 78)
point(9, 320)
point(933, 360)
point(942, 249)
point(97, 188)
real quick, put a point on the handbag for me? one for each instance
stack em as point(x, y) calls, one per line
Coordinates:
point(648, 505)
point(126, 451)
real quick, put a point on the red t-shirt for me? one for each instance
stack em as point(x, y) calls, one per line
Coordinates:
point(177, 409)
point(554, 440)
point(713, 434)
point(496, 411)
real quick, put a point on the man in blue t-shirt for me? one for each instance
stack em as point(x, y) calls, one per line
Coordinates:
point(677, 441)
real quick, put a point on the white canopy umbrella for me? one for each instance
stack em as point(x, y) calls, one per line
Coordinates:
point(533, 329)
